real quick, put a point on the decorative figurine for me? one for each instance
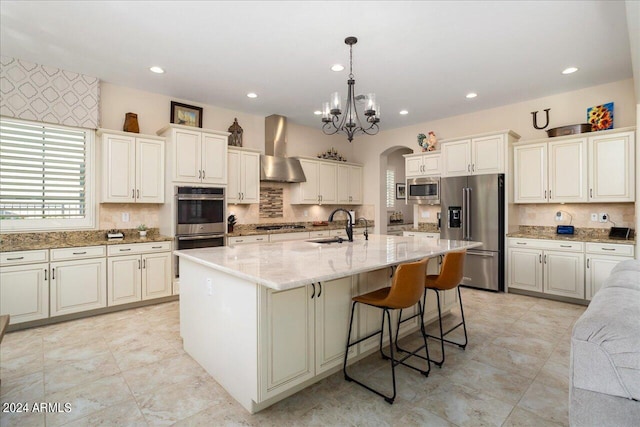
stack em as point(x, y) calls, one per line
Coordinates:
point(131, 123)
point(431, 146)
point(421, 141)
point(235, 139)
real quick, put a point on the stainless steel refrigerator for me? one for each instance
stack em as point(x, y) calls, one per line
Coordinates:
point(472, 208)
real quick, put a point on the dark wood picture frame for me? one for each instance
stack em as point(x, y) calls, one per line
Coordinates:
point(180, 112)
point(401, 191)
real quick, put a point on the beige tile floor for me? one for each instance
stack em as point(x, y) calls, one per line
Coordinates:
point(129, 369)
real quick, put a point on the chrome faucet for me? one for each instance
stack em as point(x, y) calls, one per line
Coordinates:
point(349, 227)
point(366, 227)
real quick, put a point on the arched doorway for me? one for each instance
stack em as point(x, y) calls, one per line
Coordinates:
point(392, 171)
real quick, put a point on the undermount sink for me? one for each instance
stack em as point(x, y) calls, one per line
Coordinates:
point(329, 240)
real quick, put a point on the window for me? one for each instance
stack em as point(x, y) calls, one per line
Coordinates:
point(45, 176)
point(391, 189)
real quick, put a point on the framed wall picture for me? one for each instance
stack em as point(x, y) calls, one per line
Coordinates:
point(400, 190)
point(188, 115)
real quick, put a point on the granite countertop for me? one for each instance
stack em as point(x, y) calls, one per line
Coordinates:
point(589, 235)
point(70, 239)
point(286, 265)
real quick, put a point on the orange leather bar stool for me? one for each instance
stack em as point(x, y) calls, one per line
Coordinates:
point(450, 277)
point(405, 291)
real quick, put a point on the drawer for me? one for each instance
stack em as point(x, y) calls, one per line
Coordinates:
point(64, 254)
point(324, 233)
point(610, 249)
point(340, 232)
point(24, 257)
point(301, 235)
point(556, 245)
point(239, 240)
point(421, 234)
point(138, 248)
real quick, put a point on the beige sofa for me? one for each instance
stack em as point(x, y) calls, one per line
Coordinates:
point(605, 354)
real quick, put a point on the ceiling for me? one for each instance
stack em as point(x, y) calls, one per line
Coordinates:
point(420, 56)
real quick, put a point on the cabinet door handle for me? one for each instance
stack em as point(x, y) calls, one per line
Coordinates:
point(199, 174)
point(144, 263)
point(53, 274)
point(545, 194)
point(591, 193)
point(545, 259)
point(203, 173)
point(45, 274)
point(473, 167)
point(15, 259)
point(549, 194)
point(320, 291)
point(80, 253)
point(137, 194)
point(540, 258)
point(468, 168)
point(314, 290)
point(588, 259)
point(133, 193)
point(138, 264)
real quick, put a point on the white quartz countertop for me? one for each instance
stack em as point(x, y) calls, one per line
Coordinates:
point(287, 265)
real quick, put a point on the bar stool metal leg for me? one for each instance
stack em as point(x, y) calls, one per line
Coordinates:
point(443, 334)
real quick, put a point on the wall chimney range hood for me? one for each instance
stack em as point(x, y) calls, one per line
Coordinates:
point(274, 165)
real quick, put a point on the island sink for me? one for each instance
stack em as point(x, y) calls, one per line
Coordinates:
point(327, 241)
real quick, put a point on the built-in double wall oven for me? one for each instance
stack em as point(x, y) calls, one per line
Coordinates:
point(200, 218)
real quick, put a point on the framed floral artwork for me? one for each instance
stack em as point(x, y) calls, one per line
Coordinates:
point(188, 115)
point(600, 117)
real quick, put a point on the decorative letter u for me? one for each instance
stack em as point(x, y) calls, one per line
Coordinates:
point(535, 119)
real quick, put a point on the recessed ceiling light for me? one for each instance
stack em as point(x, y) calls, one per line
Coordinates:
point(471, 95)
point(157, 70)
point(252, 95)
point(337, 67)
point(569, 70)
point(317, 112)
point(404, 112)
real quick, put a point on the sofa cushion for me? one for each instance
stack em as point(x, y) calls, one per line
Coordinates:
point(605, 344)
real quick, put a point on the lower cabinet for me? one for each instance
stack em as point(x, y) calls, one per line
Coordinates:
point(300, 338)
point(78, 285)
point(551, 267)
point(24, 292)
point(139, 276)
point(601, 259)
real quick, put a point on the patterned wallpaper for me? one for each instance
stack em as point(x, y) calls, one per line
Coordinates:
point(47, 94)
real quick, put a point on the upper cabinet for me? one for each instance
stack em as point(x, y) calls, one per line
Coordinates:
point(611, 167)
point(349, 184)
point(132, 167)
point(576, 169)
point(328, 182)
point(243, 183)
point(198, 156)
point(477, 155)
point(422, 164)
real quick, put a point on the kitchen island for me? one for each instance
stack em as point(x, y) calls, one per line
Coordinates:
point(266, 320)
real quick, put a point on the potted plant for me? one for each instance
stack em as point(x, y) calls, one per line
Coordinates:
point(143, 230)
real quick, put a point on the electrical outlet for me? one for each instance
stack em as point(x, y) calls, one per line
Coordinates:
point(305, 213)
point(558, 216)
point(603, 217)
point(125, 216)
point(594, 217)
point(425, 214)
point(209, 287)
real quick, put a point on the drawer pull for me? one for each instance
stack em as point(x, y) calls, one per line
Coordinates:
point(239, 241)
point(608, 249)
point(15, 259)
point(520, 243)
point(260, 239)
point(124, 250)
point(566, 246)
point(156, 247)
point(80, 253)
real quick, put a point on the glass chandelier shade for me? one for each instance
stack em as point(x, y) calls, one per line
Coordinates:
point(348, 122)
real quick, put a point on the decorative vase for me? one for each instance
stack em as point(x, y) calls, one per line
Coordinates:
point(131, 123)
point(143, 233)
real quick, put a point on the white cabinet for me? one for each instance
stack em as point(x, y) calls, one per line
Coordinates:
point(321, 184)
point(242, 240)
point(243, 183)
point(24, 289)
point(601, 259)
point(132, 168)
point(78, 285)
point(547, 266)
point(572, 169)
point(138, 272)
point(611, 168)
point(197, 156)
point(424, 164)
point(349, 184)
point(483, 154)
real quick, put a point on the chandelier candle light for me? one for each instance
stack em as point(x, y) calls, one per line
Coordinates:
point(350, 123)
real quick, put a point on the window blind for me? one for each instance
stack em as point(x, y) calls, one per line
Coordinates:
point(391, 188)
point(42, 171)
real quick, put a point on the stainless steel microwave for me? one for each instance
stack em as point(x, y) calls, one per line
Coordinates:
point(423, 191)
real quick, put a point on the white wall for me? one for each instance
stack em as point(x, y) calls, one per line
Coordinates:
point(566, 108)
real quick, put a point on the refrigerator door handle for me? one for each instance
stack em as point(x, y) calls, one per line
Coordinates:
point(463, 220)
point(468, 214)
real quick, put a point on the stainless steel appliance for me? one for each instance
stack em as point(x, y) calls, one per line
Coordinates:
point(472, 208)
point(200, 218)
point(423, 191)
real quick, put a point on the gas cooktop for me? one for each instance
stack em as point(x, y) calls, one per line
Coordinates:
point(279, 227)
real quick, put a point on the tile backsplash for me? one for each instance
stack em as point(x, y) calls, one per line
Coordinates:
point(622, 214)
